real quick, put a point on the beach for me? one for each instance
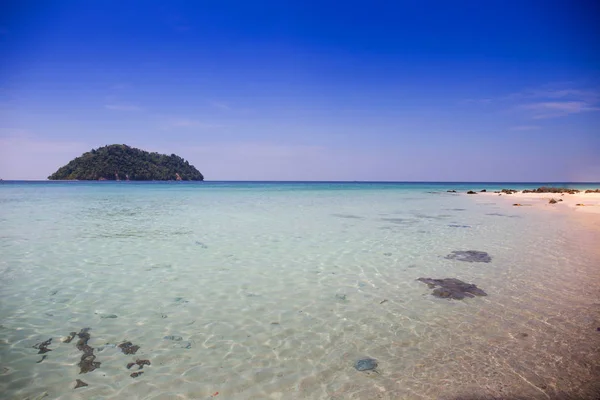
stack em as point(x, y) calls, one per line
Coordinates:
point(581, 202)
point(278, 290)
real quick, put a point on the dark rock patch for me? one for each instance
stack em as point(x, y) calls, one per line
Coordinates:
point(365, 364)
point(348, 216)
point(387, 254)
point(43, 346)
point(79, 383)
point(136, 374)
point(128, 348)
point(174, 338)
point(552, 201)
point(87, 362)
point(399, 221)
point(70, 337)
point(469, 256)
point(547, 189)
point(508, 191)
point(451, 191)
point(107, 316)
point(43, 358)
point(452, 288)
point(502, 215)
point(139, 363)
point(483, 190)
point(471, 192)
point(202, 245)
point(593, 191)
point(437, 217)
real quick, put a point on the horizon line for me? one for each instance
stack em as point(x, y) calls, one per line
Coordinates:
point(303, 181)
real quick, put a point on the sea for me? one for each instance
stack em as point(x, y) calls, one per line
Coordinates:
point(282, 290)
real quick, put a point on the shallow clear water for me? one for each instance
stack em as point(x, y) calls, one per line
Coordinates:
point(273, 291)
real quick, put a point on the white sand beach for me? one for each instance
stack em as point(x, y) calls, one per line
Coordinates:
point(579, 202)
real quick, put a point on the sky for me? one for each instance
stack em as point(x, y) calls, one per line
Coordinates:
point(302, 90)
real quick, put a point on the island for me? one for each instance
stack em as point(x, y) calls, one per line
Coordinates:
point(121, 162)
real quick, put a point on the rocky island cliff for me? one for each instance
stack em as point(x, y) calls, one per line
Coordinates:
point(122, 162)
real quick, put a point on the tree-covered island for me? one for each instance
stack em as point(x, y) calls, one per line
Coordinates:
point(122, 162)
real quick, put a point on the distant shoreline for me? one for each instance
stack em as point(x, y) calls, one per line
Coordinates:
point(462, 183)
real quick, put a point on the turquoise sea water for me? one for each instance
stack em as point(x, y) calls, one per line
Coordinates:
point(275, 290)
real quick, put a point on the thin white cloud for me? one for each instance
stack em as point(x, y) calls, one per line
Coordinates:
point(525, 128)
point(547, 101)
point(191, 123)
point(221, 105)
point(122, 107)
point(553, 109)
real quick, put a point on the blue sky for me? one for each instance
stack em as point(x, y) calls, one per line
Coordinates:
point(402, 90)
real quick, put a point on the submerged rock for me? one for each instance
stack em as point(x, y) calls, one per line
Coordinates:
point(175, 338)
point(348, 216)
point(470, 256)
point(139, 363)
point(365, 364)
point(458, 226)
point(128, 348)
point(43, 346)
point(107, 316)
point(452, 288)
point(79, 383)
point(136, 374)
point(180, 300)
point(70, 337)
point(87, 362)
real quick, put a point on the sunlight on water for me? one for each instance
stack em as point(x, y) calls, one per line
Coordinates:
point(254, 291)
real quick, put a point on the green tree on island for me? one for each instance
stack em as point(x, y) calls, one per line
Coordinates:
point(122, 162)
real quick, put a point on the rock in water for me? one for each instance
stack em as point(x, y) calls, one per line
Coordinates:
point(470, 256)
point(43, 346)
point(452, 288)
point(365, 364)
point(128, 348)
point(80, 383)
